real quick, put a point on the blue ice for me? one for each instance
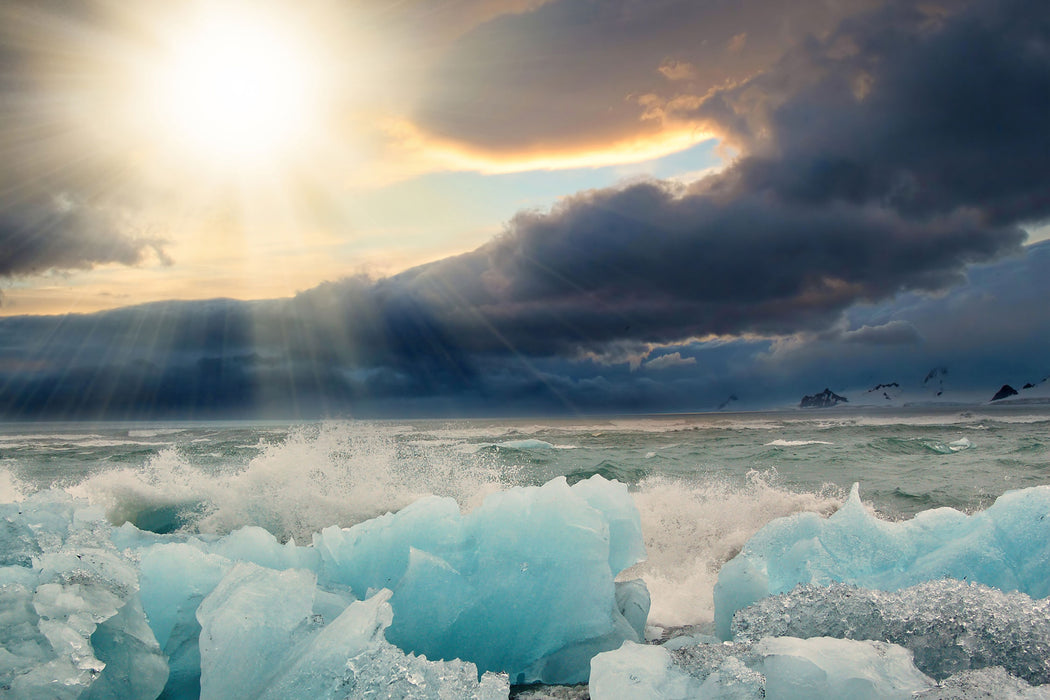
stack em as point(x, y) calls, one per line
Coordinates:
point(1006, 546)
point(523, 586)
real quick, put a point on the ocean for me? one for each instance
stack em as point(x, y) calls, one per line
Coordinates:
point(703, 484)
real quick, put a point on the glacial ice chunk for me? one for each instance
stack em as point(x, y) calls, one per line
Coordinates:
point(985, 684)
point(1006, 546)
point(797, 669)
point(71, 625)
point(523, 584)
point(248, 624)
point(949, 626)
point(135, 666)
point(779, 668)
point(174, 579)
point(639, 672)
point(261, 639)
point(18, 544)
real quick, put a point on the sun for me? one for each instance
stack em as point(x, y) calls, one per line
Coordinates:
point(235, 89)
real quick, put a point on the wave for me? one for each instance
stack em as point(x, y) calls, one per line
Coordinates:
point(611, 471)
point(12, 489)
point(531, 444)
point(328, 474)
point(692, 528)
point(155, 432)
point(797, 443)
point(920, 445)
point(345, 473)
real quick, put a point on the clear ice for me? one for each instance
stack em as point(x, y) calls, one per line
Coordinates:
point(429, 602)
point(1006, 546)
point(262, 638)
point(523, 584)
point(522, 587)
point(789, 668)
point(783, 668)
point(950, 626)
point(71, 622)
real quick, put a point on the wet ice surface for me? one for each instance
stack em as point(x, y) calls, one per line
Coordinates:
point(524, 585)
point(789, 668)
point(262, 638)
point(950, 626)
point(984, 684)
point(71, 623)
point(431, 603)
point(1006, 546)
point(781, 667)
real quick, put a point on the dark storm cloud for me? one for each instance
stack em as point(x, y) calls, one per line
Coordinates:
point(63, 201)
point(994, 329)
point(886, 157)
point(53, 232)
point(921, 113)
point(571, 72)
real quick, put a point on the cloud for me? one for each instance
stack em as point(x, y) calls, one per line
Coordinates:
point(811, 219)
point(882, 111)
point(737, 43)
point(55, 233)
point(670, 360)
point(677, 70)
point(564, 77)
point(871, 174)
point(991, 330)
point(288, 358)
point(840, 197)
point(892, 333)
point(64, 204)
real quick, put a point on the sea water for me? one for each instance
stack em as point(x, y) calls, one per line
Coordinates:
point(702, 487)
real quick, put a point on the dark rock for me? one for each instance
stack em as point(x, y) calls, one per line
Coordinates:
point(935, 373)
point(891, 385)
point(1005, 391)
point(1028, 385)
point(824, 399)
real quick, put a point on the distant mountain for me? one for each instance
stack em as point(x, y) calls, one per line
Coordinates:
point(825, 399)
point(1004, 392)
point(1030, 393)
point(933, 390)
point(889, 392)
point(934, 381)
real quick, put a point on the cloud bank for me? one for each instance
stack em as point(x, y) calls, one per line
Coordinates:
point(873, 170)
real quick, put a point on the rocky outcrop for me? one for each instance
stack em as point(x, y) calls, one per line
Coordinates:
point(825, 399)
point(934, 380)
point(1005, 392)
point(886, 389)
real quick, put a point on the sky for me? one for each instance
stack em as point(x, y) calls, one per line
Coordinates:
point(222, 208)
